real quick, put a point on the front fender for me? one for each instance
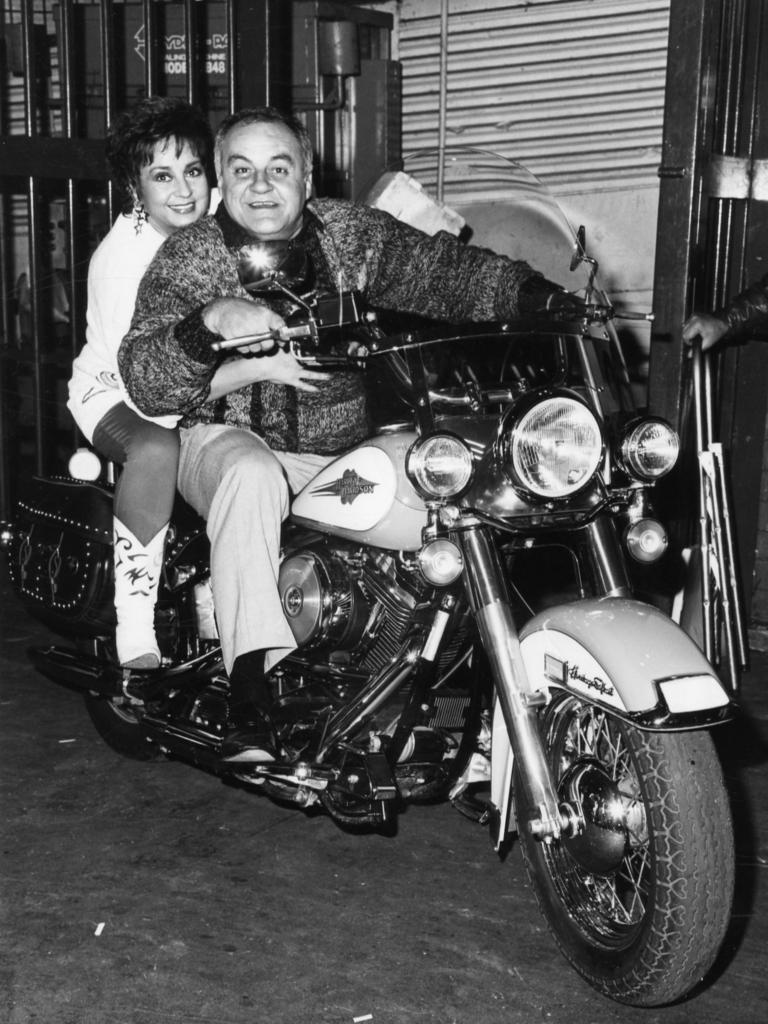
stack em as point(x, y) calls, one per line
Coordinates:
point(628, 657)
point(622, 655)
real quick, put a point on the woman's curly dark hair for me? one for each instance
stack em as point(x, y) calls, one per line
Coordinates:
point(134, 134)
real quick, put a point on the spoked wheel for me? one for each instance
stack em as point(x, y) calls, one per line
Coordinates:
point(117, 722)
point(638, 902)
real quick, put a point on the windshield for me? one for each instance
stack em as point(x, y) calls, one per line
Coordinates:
point(505, 208)
point(500, 205)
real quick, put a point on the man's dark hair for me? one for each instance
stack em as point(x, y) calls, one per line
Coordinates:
point(134, 134)
point(267, 115)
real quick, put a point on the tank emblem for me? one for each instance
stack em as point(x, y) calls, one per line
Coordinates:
point(347, 487)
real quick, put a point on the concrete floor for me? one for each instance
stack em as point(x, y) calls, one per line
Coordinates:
point(153, 894)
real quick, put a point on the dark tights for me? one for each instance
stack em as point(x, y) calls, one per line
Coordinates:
point(149, 455)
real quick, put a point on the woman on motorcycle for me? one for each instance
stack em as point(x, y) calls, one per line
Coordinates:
point(159, 155)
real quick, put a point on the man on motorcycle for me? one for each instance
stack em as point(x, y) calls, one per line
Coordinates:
point(242, 456)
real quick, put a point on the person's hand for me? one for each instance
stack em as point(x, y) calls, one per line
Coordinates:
point(282, 367)
point(278, 365)
point(563, 303)
point(705, 326)
point(357, 350)
point(237, 318)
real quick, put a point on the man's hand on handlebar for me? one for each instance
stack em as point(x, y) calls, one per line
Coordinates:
point(236, 318)
point(565, 305)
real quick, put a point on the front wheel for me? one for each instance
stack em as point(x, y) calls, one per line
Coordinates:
point(639, 902)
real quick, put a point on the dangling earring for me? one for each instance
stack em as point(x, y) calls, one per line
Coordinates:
point(138, 214)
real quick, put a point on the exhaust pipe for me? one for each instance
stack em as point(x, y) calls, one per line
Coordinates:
point(70, 668)
point(80, 671)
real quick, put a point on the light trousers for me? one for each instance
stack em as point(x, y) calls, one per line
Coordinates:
point(243, 490)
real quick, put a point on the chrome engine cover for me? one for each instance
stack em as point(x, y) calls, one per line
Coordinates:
point(322, 601)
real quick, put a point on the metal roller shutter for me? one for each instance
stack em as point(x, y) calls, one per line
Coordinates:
point(573, 89)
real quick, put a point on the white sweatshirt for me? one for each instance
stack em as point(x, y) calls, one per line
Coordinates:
point(114, 273)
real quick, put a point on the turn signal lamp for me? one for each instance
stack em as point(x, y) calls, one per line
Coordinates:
point(441, 562)
point(646, 540)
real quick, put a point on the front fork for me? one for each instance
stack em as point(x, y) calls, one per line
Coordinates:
point(602, 549)
point(489, 599)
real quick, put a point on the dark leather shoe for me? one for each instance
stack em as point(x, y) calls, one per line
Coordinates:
point(251, 742)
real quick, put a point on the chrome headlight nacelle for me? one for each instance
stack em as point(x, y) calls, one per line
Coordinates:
point(648, 449)
point(551, 448)
point(439, 465)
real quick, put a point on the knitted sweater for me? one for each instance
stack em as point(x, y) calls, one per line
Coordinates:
point(167, 363)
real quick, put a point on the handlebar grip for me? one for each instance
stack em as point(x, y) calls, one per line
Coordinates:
point(635, 315)
point(246, 339)
point(565, 305)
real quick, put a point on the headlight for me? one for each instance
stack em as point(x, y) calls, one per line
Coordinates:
point(554, 448)
point(440, 465)
point(650, 449)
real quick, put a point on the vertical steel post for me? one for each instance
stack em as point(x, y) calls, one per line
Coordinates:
point(7, 326)
point(191, 49)
point(233, 98)
point(68, 122)
point(66, 86)
point(150, 45)
point(260, 53)
point(106, 44)
point(728, 214)
point(738, 257)
point(688, 79)
point(33, 202)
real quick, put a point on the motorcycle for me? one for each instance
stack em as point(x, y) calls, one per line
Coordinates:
point(461, 588)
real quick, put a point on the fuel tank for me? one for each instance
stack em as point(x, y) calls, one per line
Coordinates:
point(365, 496)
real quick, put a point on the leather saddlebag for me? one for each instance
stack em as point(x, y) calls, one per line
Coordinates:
point(60, 555)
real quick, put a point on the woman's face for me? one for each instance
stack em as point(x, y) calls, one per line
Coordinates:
point(173, 189)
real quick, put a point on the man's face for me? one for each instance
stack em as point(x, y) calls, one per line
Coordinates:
point(262, 179)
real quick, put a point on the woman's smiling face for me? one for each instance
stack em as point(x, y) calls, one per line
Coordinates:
point(173, 188)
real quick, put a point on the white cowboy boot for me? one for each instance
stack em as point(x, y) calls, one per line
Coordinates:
point(137, 574)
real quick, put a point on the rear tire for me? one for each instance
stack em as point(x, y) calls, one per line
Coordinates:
point(118, 724)
point(641, 917)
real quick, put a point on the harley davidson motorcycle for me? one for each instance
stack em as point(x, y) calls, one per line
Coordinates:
point(462, 590)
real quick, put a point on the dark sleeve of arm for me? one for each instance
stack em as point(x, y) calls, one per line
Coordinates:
point(749, 308)
point(165, 359)
point(439, 277)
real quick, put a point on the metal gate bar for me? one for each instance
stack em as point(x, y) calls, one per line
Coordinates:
point(52, 158)
point(55, 158)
